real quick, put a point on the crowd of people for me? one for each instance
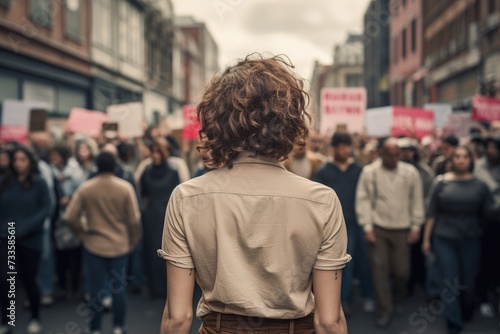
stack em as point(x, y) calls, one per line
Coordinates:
point(88, 214)
point(413, 215)
point(84, 215)
point(416, 213)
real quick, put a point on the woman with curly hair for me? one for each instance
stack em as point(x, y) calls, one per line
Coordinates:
point(255, 237)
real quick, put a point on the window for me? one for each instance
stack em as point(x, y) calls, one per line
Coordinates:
point(101, 24)
point(353, 80)
point(9, 86)
point(156, 117)
point(123, 31)
point(393, 48)
point(477, 10)
point(34, 91)
point(414, 35)
point(73, 19)
point(403, 44)
point(131, 34)
point(5, 3)
point(41, 12)
point(491, 6)
point(67, 99)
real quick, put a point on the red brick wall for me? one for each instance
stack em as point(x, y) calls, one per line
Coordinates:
point(402, 18)
point(19, 34)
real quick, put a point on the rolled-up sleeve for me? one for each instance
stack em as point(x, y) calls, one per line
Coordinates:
point(175, 247)
point(332, 254)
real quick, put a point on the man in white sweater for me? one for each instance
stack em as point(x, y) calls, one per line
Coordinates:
point(390, 208)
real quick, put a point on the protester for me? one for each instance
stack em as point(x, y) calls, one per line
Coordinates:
point(24, 201)
point(175, 163)
point(157, 183)
point(317, 145)
point(112, 232)
point(389, 207)
point(70, 175)
point(47, 262)
point(410, 154)
point(342, 175)
point(84, 155)
point(255, 236)
point(123, 172)
point(487, 169)
point(441, 164)
point(455, 208)
point(4, 162)
point(303, 162)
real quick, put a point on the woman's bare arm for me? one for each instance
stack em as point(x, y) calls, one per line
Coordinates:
point(178, 312)
point(328, 314)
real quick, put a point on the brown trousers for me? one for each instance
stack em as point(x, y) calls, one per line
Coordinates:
point(390, 262)
point(215, 323)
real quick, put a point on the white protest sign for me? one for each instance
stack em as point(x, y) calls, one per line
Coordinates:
point(128, 116)
point(344, 106)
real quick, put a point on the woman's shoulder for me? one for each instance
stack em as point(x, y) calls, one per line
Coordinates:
point(39, 181)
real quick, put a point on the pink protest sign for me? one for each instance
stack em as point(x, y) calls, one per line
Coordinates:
point(413, 122)
point(88, 122)
point(191, 124)
point(17, 133)
point(486, 109)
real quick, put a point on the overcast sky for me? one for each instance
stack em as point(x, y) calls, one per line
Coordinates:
point(304, 30)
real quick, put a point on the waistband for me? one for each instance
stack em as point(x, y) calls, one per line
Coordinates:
point(223, 323)
point(398, 229)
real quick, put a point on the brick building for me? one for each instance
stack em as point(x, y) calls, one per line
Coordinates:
point(45, 53)
point(462, 41)
point(406, 51)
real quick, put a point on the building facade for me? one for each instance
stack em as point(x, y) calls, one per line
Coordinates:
point(406, 45)
point(45, 53)
point(462, 48)
point(376, 39)
point(321, 78)
point(198, 54)
point(347, 68)
point(159, 39)
point(489, 30)
point(117, 52)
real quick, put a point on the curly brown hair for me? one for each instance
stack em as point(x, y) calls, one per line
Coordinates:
point(258, 106)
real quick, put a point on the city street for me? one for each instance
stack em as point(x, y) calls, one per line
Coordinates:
point(144, 316)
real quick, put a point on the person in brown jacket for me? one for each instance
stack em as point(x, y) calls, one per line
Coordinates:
point(110, 234)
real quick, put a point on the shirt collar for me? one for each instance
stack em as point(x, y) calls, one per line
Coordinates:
point(249, 158)
point(350, 161)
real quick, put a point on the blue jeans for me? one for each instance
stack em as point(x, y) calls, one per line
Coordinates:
point(46, 271)
point(112, 274)
point(136, 265)
point(459, 262)
point(434, 279)
point(357, 247)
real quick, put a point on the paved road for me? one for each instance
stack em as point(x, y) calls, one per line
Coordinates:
point(144, 314)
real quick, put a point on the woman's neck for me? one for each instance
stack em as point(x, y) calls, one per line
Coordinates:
point(462, 175)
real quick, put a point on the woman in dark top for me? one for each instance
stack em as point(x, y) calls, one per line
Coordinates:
point(456, 204)
point(24, 201)
point(157, 183)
